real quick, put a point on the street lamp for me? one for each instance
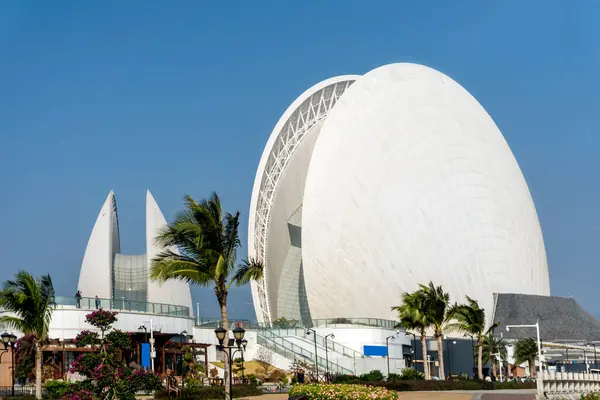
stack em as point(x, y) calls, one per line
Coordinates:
point(308, 332)
point(238, 336)
point(414, 347)
point(387, 346)
point(538, 382)
point(331, 335)
point(595, 358)
point(9, 340)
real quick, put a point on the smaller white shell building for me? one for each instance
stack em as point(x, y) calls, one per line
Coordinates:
point(371, 184)
point(120, 278)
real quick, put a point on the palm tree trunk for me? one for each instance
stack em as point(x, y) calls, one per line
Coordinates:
point(532, 367)
point(424, 354)
point(440, 347)
point(38, 370)
point(494, 367)
point(480, 360)
point(225, 322)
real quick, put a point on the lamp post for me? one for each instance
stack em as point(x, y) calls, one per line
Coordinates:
point(387, 346)
point(567, 359)
point(238, 337)
point(308, 332)
point(9, 340)
point(595, 358)
point(414, 346)
point(331, 335)
point(151, 341)
point(538, 382)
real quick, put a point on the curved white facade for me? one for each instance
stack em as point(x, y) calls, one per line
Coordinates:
point(404, 179)
point(110, 275)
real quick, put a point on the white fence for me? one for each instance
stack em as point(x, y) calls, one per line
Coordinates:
point(569, 385)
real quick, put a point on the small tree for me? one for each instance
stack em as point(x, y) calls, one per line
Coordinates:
point(106, 375)
point(192, 369)
point(526, 350)
point(102, 320)
point(31, 303)
point(265, 358)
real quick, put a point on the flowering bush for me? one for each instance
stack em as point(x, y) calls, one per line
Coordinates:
point(343, 392)
point(101, 319)
point(107, 376)
point(25, 358)
point(78, 395)
point(118, 339)
point(84, 364)
point(146, 380)
point(86, 337)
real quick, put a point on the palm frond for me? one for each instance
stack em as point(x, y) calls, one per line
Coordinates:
point(31, 301)
point(250, 270)
point(170, 266)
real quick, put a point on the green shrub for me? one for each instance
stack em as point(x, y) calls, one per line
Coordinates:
point(590, 396)
point(373, 376)
point(409, 374)
point(342, 392)
point(212, 392)
point(55, 389)
point(345, 379)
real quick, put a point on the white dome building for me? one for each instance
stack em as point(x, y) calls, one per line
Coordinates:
point(372, 184)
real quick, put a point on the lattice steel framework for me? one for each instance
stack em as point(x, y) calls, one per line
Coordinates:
point(310, 112)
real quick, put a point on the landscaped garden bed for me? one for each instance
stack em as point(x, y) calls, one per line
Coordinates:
point(343, 392)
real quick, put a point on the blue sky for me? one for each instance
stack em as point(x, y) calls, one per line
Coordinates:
point(180, 97)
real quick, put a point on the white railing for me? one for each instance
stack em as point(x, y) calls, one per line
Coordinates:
point(569, 385)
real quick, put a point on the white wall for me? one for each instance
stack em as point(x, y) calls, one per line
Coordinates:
point(67, 322)
point(356, 338)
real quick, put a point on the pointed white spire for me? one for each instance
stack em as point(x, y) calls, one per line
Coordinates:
point(171, 292)
point(95, 274)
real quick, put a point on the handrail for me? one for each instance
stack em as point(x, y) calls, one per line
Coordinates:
point(331, 345)
point(337, 322)
point(203, 322)
point(282, 345)
point(89, 303)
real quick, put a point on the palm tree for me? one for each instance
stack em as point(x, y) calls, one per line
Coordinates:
point(526, 350)
point(413, 317)
point(470, 318)
point(436, 303)
point(207, 241)
point(31, 302)
point(491, 347)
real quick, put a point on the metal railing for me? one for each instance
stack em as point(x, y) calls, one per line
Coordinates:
point(292, 351)
point(203, 322)
point(331, 345)
point(372, 322)
point(89, 303)
point(327, 322)
point(20, 390)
